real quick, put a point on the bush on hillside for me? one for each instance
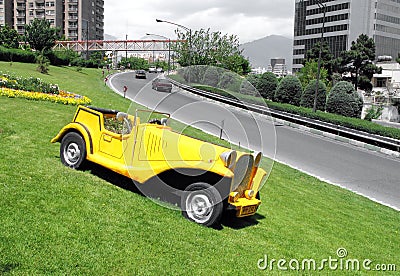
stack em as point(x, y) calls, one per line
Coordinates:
point(307, 98)
point(17, 55)
point(230, 81)
point(289, 91)
point(344, 100)
point(267, 85)
point(211, 76)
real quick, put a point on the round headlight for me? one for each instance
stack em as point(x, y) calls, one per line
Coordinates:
point(229, 158)
point(249, 194)
point(233, 196)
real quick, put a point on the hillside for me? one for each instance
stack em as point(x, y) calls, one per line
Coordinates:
point(262, 50)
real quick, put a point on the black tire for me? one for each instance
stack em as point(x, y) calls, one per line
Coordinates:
point(73, 150)
point(258, 196)
point(202, 204)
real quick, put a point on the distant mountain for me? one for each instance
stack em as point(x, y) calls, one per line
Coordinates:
point(259, 52)
point(109, 37)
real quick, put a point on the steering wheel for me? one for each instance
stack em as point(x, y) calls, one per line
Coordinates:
point(155, 121)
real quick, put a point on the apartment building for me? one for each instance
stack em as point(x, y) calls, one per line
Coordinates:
point(84, 19)
point(6, 12)
point(345, 20)
point(77, 19)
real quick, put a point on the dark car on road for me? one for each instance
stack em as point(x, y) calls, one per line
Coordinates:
point(161, 85)
point(140, 74)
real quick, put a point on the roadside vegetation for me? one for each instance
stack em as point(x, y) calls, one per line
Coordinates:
point(55, 220)
point(347, 109)
point(36, 89)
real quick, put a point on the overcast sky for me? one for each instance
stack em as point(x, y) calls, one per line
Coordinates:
point(249, 20)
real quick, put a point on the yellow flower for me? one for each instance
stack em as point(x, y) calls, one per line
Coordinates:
point(64, 97)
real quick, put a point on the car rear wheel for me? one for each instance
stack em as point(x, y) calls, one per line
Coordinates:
point(73, 150)
point(202, 204)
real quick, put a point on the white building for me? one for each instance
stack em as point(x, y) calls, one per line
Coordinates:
point(345, 20)
point(386, 89)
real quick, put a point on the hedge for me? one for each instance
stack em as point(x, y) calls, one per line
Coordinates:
point(353, 123)
point(16, 55)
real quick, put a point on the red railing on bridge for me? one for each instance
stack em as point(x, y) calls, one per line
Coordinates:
point(116, 45)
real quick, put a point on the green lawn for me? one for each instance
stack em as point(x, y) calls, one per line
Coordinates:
point(54, 220)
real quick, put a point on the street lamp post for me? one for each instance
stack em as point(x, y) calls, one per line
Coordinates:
point(186, 29)
point(126, 49)
point(323, 7)
point(87, 37)
point(169, 49)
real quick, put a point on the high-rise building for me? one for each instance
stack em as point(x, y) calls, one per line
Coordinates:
point(84, 19)
point(77, 19)
point(278, 67)
point(345, 20)
point(6, 12)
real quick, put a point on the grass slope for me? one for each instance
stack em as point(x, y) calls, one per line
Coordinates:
point(54, 220)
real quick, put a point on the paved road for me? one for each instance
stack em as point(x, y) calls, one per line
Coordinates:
point(370, 174)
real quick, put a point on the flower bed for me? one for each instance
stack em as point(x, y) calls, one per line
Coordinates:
point(62, 97)
point(36, 89)
point(27, 84)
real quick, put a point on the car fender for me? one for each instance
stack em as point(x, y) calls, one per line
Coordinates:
point(79, 128)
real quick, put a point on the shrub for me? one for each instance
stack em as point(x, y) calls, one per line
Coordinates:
point(17, 55)
point(267, 85)
point(344, 100)
point(289, 91)
point(27, 84)
point(254, 80)
point(193, 74)
point(61, 58)
point(230, 81)
point(307, 98)
point(374, 112)
point(211, 76)
point(43, 63)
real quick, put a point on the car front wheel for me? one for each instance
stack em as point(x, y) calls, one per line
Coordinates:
point(202, 204)
point(73, 150)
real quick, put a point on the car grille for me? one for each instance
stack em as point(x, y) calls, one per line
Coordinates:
point(242, 174)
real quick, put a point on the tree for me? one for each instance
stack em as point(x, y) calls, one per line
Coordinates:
point(43, 63)
point(211, 76)
point(211, 48)
point(40, 35)
point(327, 58)
point(309, 72)
point(358, 62)
point(230, 81)
point(265, 84)
point(9, 37)
point(135, 63)
point(289, 91)
point(344, 100)
point(307, 98)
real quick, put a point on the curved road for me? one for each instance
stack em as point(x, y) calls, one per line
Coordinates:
point(370, 174)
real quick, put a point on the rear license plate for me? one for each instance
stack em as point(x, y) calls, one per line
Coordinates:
point(248, 210)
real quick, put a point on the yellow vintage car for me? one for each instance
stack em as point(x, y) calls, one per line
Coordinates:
point(208, 178)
